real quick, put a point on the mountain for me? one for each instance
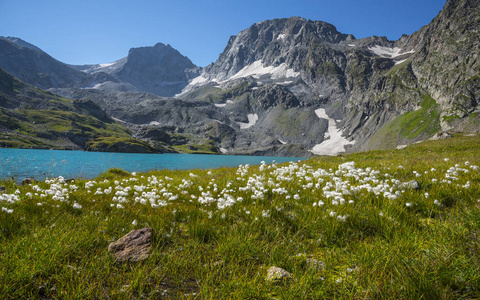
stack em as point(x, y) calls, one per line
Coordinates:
point(297, 87)
point(160, 70)
point(372, 92)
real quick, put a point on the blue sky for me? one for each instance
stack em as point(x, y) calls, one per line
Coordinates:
point(101, 31)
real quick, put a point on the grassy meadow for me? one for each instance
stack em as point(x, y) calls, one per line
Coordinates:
point(216, 232)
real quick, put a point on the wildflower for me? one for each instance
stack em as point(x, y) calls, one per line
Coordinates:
point(8, 211)
point(134, 223)
point(408, 204)
point(437, 202)
point(77, 206)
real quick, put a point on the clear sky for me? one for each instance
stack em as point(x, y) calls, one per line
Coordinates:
point(102, 31)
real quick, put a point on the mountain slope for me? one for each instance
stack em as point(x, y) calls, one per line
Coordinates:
point(30, 64)
point(33, 118)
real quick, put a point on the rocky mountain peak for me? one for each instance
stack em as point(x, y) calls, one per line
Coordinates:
point(272, 42)
point(160, 69)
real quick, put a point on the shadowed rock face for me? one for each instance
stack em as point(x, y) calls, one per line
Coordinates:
point(160, 70)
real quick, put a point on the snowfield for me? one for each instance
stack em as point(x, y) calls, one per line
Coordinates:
point(335, 143)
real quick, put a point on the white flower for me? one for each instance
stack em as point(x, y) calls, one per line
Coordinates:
point(437, 202)
point(77, 206)
point(408, 204)
point(8, 211)
point(134, 223)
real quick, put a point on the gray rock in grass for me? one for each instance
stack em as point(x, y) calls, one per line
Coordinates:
point(134, 246)
point(276, 274)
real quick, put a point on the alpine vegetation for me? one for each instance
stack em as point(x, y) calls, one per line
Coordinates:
point(381, 224)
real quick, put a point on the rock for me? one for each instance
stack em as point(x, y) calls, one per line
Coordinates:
point(134, 246)
point(441, 136)
point(316, 264)
point(27, 181)
point(276, 274)
point(42, 290)
point(400, 147)
point(411, 185)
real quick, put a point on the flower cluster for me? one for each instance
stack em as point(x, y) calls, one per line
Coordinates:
point(324, 190)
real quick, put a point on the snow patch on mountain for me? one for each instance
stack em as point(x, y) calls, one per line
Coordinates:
point(223, 104)
point(335, 143)
point(198, 80)
point(256, 70)
point(388, 52)
point(252, 119)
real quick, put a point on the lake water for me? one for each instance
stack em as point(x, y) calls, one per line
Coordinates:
point(41, 164)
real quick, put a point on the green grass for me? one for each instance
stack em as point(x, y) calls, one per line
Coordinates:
point(375, 243)
point(115, 143)
point(205, 146)
point(419, 124)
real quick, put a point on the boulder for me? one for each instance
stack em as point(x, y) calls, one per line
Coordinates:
point(276, 274)
point(28, 181)
point(134, 246)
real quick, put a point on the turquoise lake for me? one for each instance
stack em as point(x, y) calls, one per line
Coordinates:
point(41, 164)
